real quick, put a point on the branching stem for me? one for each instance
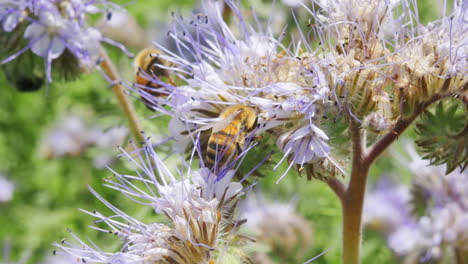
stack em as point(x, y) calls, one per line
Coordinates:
point(353, 197)
point(127, 107)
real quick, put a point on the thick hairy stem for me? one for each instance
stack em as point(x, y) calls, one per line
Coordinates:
point(353, 198)
point(353, 201)
point(337, 186)
point(112, 73)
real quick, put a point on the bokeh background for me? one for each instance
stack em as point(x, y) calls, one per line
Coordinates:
point(50, 190)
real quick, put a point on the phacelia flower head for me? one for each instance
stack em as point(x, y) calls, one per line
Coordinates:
point(53, 29)
point(221, 67)
point(200, 208)
point(433, 62)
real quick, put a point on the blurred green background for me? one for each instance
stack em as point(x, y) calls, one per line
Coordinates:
point(50, 191)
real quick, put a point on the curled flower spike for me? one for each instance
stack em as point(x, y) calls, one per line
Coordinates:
point(434, 62)
point(200, 208)
point(223, 68)
point(54, 29)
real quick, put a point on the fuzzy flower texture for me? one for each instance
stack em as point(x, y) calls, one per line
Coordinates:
point(231, 83)
point(200, 208)
point(374, 67)
point(52, 29)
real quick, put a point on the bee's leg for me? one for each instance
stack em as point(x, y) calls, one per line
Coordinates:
point(238, 148)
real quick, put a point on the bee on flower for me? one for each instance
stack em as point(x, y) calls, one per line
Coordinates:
point(248, 70)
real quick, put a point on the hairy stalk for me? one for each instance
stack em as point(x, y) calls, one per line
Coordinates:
point(127, 107)
point(353, 198)
point(353, 201)
point(337, 187)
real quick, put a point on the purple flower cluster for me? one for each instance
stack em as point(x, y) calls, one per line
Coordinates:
point(223, 67)
point(440, 226)
point(53, 27)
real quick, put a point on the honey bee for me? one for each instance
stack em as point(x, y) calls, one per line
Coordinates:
point(148, 65)
point(229, 136)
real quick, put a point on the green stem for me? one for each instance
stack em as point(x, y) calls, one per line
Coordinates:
point(127, 107)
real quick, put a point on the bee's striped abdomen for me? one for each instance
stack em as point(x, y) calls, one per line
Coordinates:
point(222, 147)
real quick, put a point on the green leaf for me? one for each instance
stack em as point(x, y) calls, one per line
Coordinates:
point(442, 134)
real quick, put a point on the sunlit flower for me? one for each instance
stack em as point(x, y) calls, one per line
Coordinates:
point(223, 67)
point(200, 208)
point(70, 137)
point(406, 239)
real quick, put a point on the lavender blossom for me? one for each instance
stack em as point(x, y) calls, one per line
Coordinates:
point(11, 12)
point(223, 67)
point(442, 202)
point(7, 189)
point(55, 27)
point(71, 136)
point(387, 207)
point(199, 206)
